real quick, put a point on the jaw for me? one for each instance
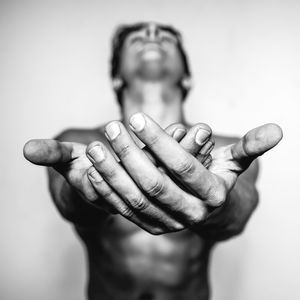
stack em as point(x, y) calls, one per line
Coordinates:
point(152, 71)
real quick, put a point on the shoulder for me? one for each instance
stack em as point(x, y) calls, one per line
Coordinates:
point(80, 135)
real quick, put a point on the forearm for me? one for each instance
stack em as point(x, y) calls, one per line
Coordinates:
point(71, 204)
point(230, 219)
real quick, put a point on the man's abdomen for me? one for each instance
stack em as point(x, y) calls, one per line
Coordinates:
point(128, 263)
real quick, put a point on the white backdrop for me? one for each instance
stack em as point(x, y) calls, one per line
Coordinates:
point(54, 74)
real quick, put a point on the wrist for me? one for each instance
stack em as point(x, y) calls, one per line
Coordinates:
point(230, 219)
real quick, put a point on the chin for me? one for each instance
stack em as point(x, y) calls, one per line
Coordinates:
point(156, 72)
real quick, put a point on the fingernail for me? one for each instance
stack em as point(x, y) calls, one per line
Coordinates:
point(94, 175)
point(137, 122)
point(96, 153)
point(201, 136)
point(179, 134)
point(112, 130)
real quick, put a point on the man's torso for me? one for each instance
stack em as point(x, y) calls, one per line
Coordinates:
point(127, 262)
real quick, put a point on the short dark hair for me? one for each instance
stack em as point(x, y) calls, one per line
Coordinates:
point(119, 38)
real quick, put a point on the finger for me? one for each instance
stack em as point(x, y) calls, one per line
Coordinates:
point(46, 152)
point(177, 131)
point(255, 143)
point(108, 199)
point(113, 203)
point(125, 187)
point(197, 138)
point(207, 161)
point(158, 186)
point(206, 150)
point(198, 141)
point(180, 163)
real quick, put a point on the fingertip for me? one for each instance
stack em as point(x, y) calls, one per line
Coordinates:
point(137, 121)
point(178, 134)
point(31, 150)
point(47, 152)
point(27, 149)
point(276, 132)
point(170, 130)
point(259, 140)
point(269, 134)
point(92, 145)
point(95, 152)
point(203, 126)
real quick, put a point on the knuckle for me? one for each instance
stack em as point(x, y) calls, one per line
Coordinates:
point(109, 173)
point(91, 197)
point(155, 189)
point(218, 198)
point(153, 139)
point(194, 220)
point(126, 212)
point(88, 192)
point(123, 150)
point(185, 167)
point(107, 193)
point(197, 216)
point(138, 203)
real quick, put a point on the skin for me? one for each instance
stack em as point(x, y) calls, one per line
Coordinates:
point(149, 203)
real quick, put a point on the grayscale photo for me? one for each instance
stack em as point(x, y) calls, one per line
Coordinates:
point(149, 150)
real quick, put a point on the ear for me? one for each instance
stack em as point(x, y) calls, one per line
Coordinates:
point(186, 83)
point(117, 84)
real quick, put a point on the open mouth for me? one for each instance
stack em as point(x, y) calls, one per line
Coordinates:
point(152, 52)
point(152, 55)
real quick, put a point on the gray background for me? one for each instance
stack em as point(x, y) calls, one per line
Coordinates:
point(54, 74)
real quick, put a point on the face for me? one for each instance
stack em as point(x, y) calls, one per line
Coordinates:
point(151, 53)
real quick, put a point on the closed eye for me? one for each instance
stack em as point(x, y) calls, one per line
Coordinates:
point(136, 40)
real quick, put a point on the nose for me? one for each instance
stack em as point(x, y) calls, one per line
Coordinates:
point(152, 32)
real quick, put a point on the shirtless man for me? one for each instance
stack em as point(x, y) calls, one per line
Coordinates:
point(149, 203)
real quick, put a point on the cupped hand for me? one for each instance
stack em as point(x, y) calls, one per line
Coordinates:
point(70, 160)
point(181, 194)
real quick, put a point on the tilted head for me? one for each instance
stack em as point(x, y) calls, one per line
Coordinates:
point(150, 52)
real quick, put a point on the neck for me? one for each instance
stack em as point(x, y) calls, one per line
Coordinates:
point(161, 101)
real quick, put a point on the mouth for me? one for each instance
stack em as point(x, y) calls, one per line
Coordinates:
point(152, 52)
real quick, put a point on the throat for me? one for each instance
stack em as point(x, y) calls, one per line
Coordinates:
point(162, 102)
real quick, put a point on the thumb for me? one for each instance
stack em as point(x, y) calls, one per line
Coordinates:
point(46, 152)
point(255, 143)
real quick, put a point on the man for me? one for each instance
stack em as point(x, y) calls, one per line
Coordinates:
point(149, 203)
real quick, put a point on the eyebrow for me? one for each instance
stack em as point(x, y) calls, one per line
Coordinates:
point(169, 29)
point(161, 27)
